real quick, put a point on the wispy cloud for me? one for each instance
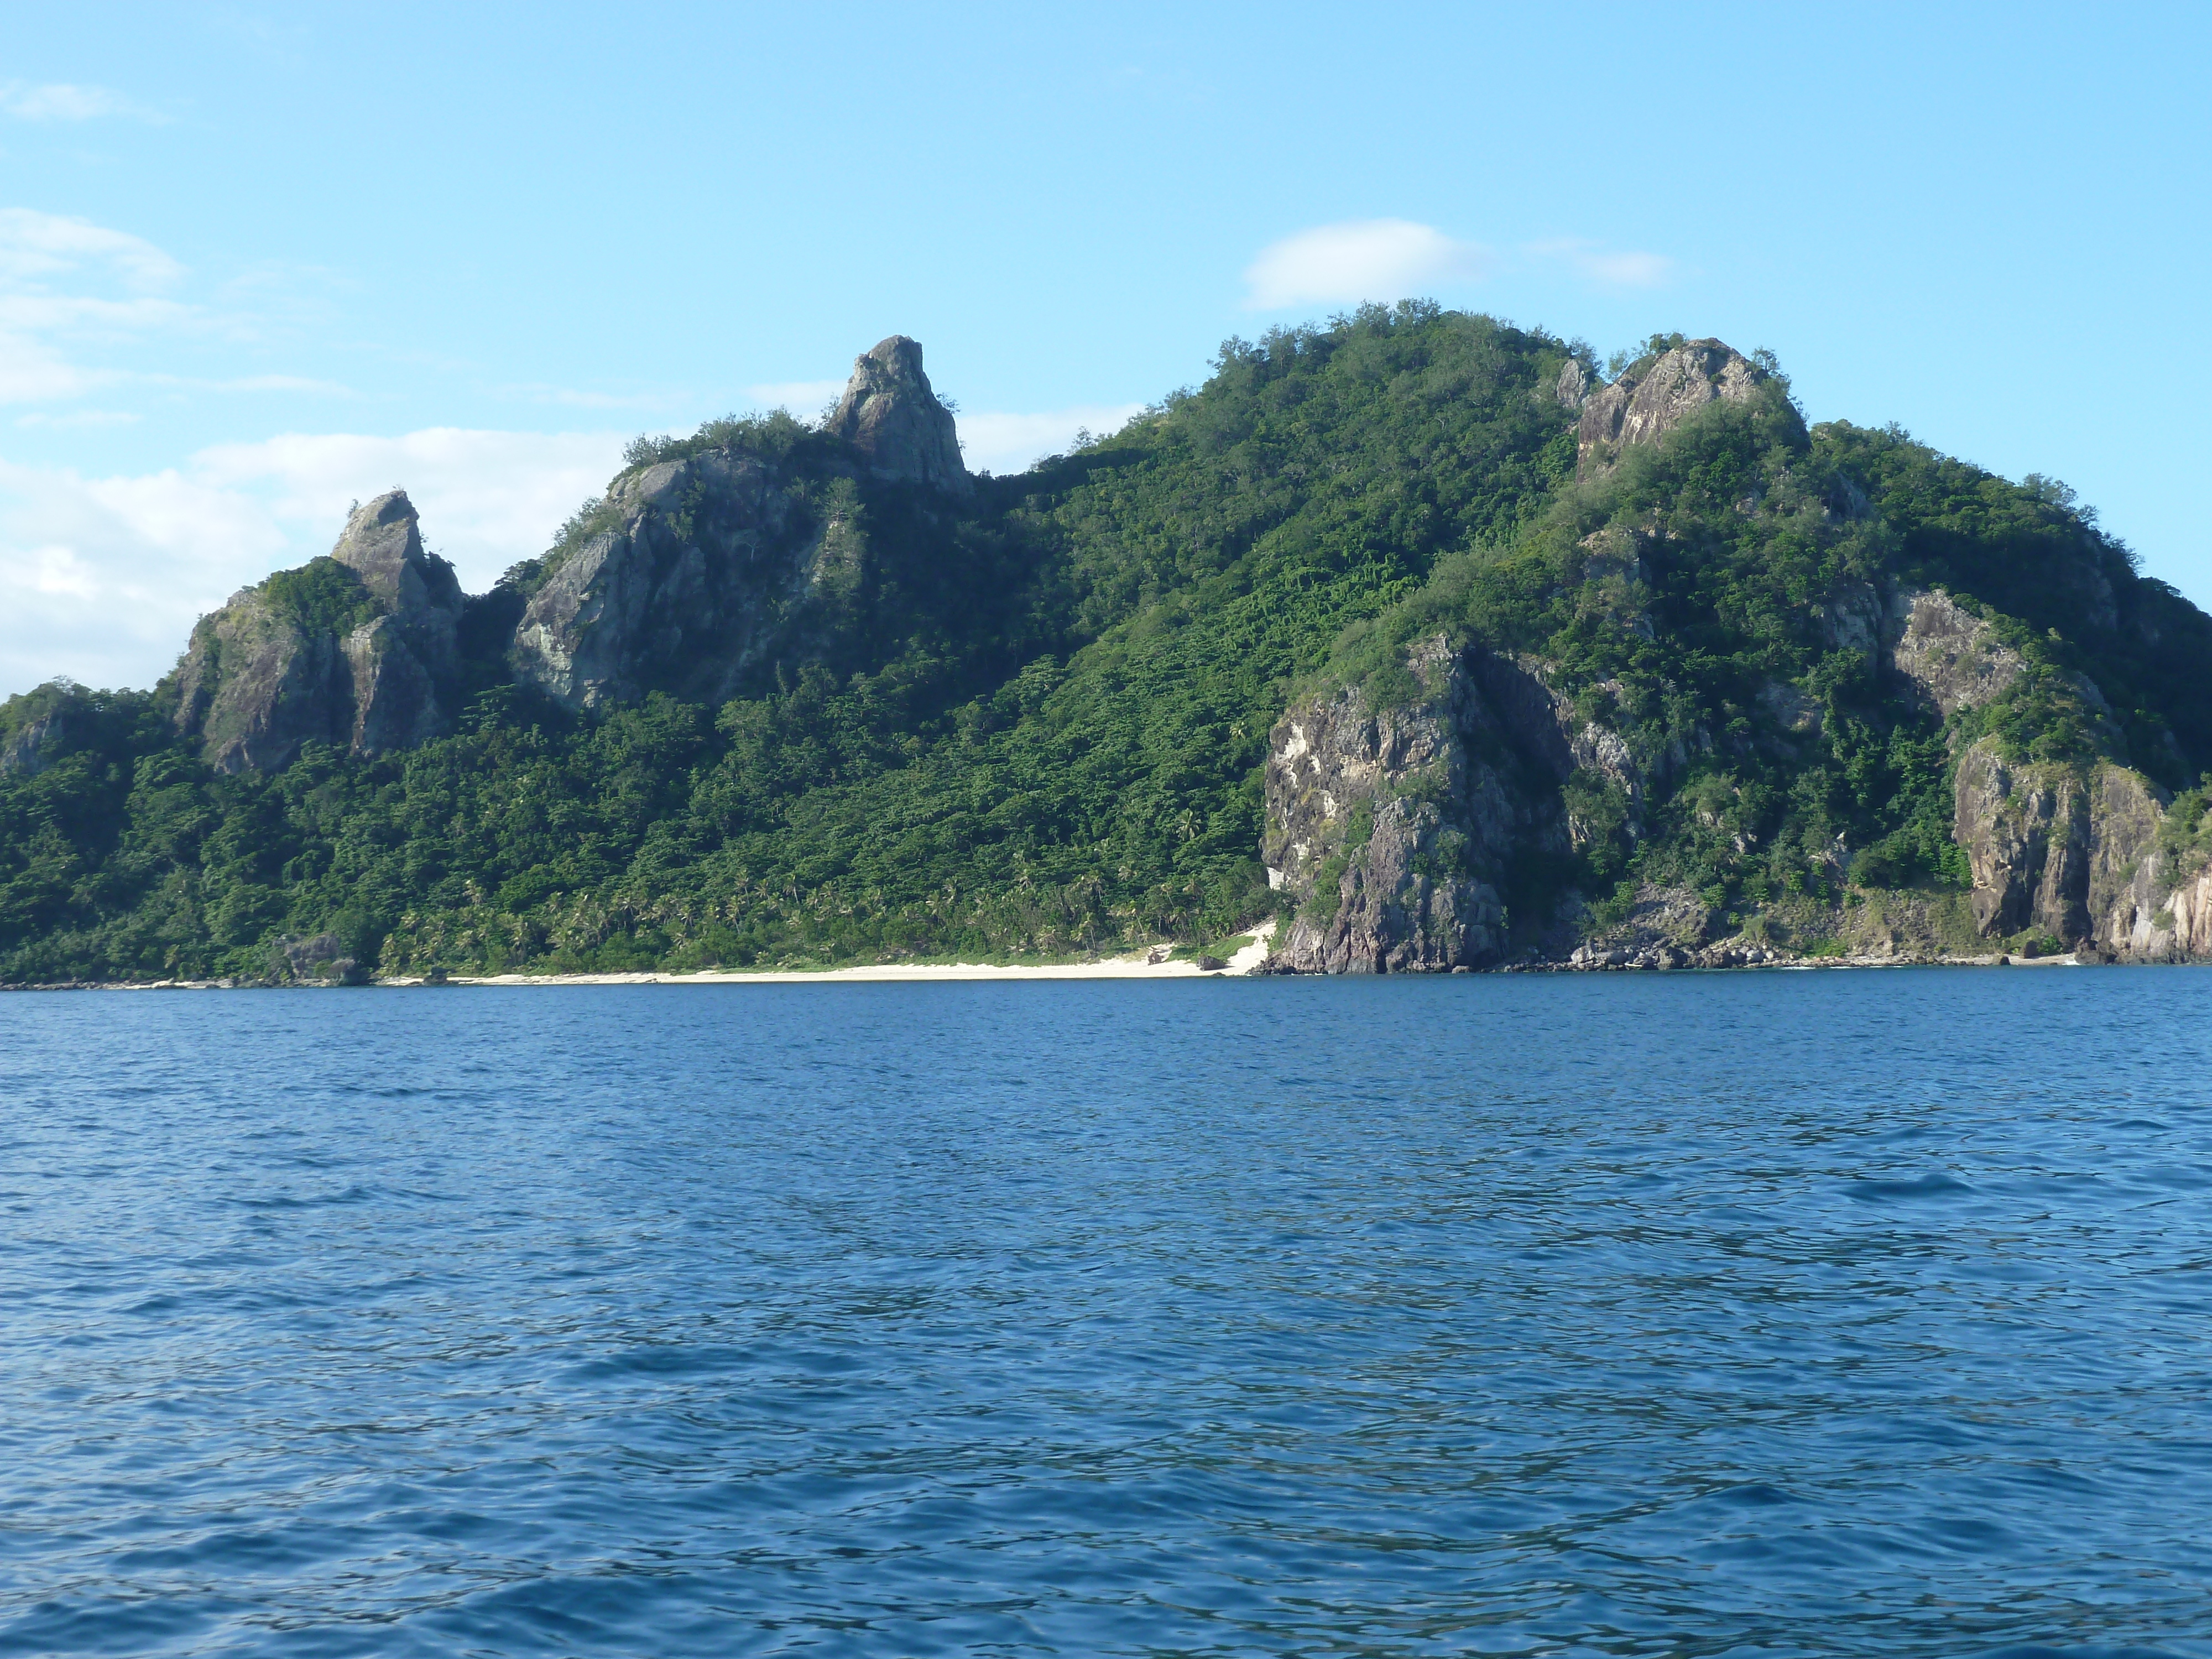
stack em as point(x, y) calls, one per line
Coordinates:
point(1395, 258)
point(563, 397)
point(267, 383)
point(66, 281)
point(35, 248)
point(1609, 267)
point(61, 101)
point(71, 290)
point(101, 578)
point(1360, 259)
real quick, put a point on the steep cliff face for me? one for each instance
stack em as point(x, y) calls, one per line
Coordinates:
point(891, 417)
point(2075, 852)
point(355, 650)
point(2187, 912)
point(2069, 850)
point(707, 568)
point(1646, 403)
point(1400, 829)
point(705, 565)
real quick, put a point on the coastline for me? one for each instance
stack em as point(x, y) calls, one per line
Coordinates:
point(1135, 965)
point(1249, 961)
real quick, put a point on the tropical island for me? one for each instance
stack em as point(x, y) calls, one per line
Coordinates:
point(1434, 642)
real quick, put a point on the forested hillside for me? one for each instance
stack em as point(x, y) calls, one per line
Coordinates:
point(1032, 716)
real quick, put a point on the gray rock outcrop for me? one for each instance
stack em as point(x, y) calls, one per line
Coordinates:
point(1397, 828)
point(703, 570)
point(707, 570)
point(891, 417)
point(1951, 658)
point(2073, 851)
point(355, 650)
point(1644, 404)
point(26, 751)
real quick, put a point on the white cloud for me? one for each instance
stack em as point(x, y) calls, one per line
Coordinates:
point(34, 245)
point(487, 498)
point(60, 101)
point(1008, 443)
point(101, 578)
point(1613, 267)
point(126, 275)
point(1360, 259)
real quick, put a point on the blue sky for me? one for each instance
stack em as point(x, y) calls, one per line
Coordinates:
point(257, 261)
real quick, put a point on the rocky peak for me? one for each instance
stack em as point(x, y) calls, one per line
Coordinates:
point(382, 544)
point(1646, 405)
point(890, 415)
point(274, 669)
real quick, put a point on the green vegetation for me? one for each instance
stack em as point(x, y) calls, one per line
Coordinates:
point(2185, 837)
point(322, 596)
point(1036, 722)
point(1689, 599)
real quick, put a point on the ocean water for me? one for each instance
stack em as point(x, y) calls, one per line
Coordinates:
point(1773, 1314)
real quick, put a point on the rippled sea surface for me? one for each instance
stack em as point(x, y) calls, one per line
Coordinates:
point(1783, 1313)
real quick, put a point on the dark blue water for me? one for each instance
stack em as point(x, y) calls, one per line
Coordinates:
point(1773, 1314)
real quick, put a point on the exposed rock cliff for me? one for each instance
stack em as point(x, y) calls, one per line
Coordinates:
point(704, 565)
point(26, 749)
point(1951, 656)
point(2073, 852)
point(890, 414)
point(353, 650)
point(1644, 404)
point(1400, 829)
point(706, 569)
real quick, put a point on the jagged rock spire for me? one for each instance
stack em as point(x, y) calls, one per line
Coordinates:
point(891, 415)
point(382, 544)
point(262, 676)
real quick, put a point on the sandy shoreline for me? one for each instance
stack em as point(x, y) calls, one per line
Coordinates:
point(1136, 966)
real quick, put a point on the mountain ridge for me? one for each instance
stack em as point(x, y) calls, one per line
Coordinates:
point(1644, 669)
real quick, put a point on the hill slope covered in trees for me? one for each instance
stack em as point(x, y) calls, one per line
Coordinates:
point(772, 702)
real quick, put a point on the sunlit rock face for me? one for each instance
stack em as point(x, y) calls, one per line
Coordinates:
point(702, 571)
point(1642, 406)
point(356, 651)
point(891, 417)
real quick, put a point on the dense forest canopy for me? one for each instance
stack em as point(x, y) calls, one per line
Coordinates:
point(1037, 722)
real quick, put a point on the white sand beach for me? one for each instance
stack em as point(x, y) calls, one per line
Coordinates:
point(1137, 965)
